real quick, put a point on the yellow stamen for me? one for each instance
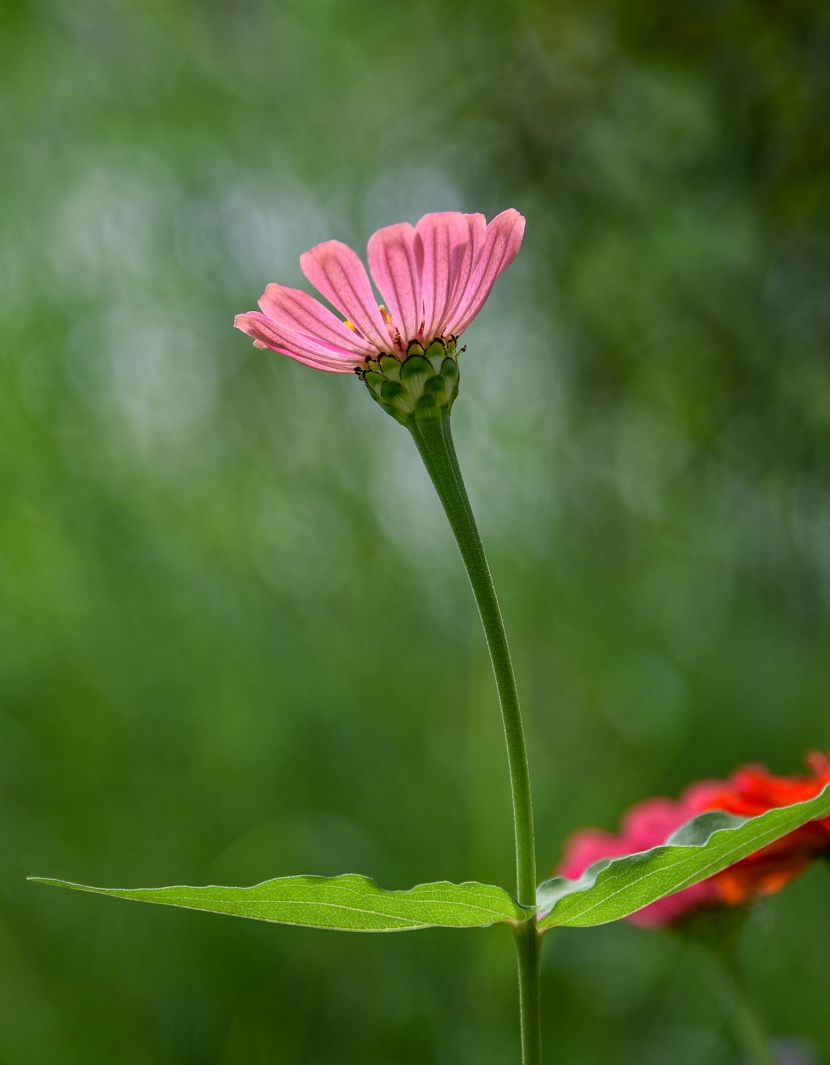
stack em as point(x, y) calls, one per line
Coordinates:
point(387, 316)
point(350, 325)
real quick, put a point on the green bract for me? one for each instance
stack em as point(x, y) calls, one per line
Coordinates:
point(422, 387)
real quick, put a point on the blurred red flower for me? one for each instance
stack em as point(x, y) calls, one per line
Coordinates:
point(750, 791)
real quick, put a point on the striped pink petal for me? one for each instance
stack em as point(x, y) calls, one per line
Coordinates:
point(395, 262)
point(502, 241)
point(445, 241)
point(311, 351)
point(475, 228)
point(435, 277)
point(336, 271)
point(297, 310)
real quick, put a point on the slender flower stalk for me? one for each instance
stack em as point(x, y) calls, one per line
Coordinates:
point(434, 442)
point(434, 278)
point(435, 445)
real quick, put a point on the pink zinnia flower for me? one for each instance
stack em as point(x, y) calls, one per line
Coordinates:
point(750, 791)
point(434, 278)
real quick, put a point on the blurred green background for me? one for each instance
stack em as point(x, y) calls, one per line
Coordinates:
point(235, 638)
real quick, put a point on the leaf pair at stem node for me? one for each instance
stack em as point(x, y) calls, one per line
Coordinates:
point(607, 891)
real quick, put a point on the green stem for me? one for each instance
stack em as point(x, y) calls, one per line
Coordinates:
point(529, 950)
point(747, 1025)
point(435, 445)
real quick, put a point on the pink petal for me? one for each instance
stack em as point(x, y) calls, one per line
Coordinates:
point(296, 310)
point(587, 846)
point(476, 228)
point(501, 245)
point(316, 353)
point(652, 821)
point(697, 798)
point(396, 260)
point(447, 245)
point(336, 271)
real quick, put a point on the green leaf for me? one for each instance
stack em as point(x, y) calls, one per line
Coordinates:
point(349, 903)
point(614, 888)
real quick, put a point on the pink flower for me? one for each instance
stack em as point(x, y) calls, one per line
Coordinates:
point(434, 278)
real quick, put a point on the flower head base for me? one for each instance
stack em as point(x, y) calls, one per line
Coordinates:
point(750, 791)
point(434, 278)
point(420, 388)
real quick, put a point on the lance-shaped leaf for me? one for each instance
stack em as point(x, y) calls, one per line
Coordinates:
point(349, 903)
point(616, 887)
